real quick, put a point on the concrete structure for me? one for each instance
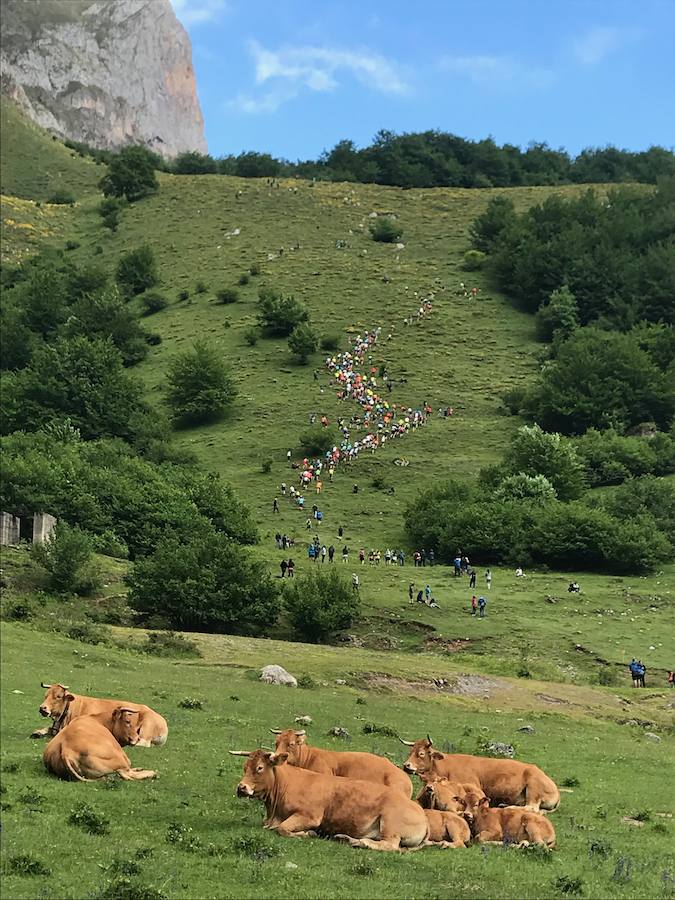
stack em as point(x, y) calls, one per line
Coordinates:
point(43, 525)
point(35, 528)
point(10, 529)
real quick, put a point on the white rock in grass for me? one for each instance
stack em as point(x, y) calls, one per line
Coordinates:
point(277, 675)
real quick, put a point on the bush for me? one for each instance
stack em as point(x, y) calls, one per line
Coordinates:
point(25, 864)
point(191, 703)
point(279, 315)
point(169, 643)
point(72, 245)
point(204, 583)
point(67, 556)
point(330, 342)
point(251, 336)
point(473, 260)
point(488, 227)
point(254, 270)
point(193, 163)
point(131, 174)
point(87, 633)
point(244, 278)
point(610, 458)
point(152, 302)
point(199, 385)
point(227, 295)
point(302, 342)
point(17, 611)
point(385, 230)
point(557, 319)
point(136, 271)
point(153, 339)
point(183, 296)
point(201, 287)
point(61, 197)
point(266, 466)
point(534, 452)
point(84, 816)
point(536, 488)
point(320, 603)
point(317, 440)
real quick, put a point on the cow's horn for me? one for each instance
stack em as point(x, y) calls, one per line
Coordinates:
point(407, 743)
point(127, 709)
point(429, 739)
point(45, 686)
point(300, 733)
point(241, 752)
point(276, 731)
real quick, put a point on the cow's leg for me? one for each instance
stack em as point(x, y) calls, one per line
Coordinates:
point(489, 836)
point(391, 843)
point(41, 732)
point(297, 825)
point(136, 774)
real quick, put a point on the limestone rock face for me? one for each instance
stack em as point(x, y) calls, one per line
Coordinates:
point(104, 72)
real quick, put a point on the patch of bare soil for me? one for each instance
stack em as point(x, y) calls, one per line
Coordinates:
point(548, 699)
point(467, 685)
point(446, 645)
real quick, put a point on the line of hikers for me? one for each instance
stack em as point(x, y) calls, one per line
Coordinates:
point(637, 671)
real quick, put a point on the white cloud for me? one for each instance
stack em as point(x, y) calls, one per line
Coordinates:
point(599, 42)
point(197, 12)
point(497, 71)
point(290, 70)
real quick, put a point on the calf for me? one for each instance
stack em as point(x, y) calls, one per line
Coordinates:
point(505, 781)
point(347, 764)
point(447, 829)
point(89, 748)
point(299, 803)
point(63, 707)
point(508, 825)
point(448, 796)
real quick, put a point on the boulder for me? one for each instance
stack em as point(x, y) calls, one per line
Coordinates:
point(277, 675)
point(652, 737)
point(499, 749)
point(527, 729)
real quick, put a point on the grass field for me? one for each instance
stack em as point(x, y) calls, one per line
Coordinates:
point(187, 835)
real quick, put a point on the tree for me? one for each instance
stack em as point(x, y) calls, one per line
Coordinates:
point(104, 314)
point(385, 230)
point(302, 342)
point(320, 603)
point(131, 174)
point(204, 583)
point(602, 380)
point(318, 440)
point(487, 228)
point(535, 452)
point(279, 315)
point(67, 555)
point(199, 385)
point(559, 318)
point(193, 163)
point(136, 271)
point(526, 487)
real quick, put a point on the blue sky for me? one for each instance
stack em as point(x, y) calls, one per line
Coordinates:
point(293, 77)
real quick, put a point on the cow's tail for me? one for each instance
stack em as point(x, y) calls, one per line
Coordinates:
point(72, 770)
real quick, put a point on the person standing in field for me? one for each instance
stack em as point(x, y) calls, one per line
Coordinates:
point(324, 551)
point(432, 557)
point(482, 603)
point(345, 554)
point(331, 553)
point(275, 506)
point(488, 579)
point(472, 578)
point(474, 605)
point(283, 565)
point(291, 568)
point(411, 589)
point(355, 582)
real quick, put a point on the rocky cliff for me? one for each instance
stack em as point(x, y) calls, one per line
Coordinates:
point(107, 72)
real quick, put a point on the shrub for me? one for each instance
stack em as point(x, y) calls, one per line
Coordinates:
point(279, 315)
point(227, 295)
point(123, 888)
point(330, 342)
point(153, 339)
point(201, 287)
point(204, 582)
point(61, 197)
point(256, 846)
point(385, 230)
point(254, 270)
point(306, 682)
point(536, 488)
point(84, 816)
point(473, 260)
point(87, 633)
point(244, 278)
point(169, 643)
point(320, 603)
point(251, 336)
point(67, 556)
point(191, 703)
point(136, 271)
point(607, 676)
point(302, 342)
point(72, 245)
point(25, 864)
point(374, 728)
point(317, 440)
point(17, 611)
point(568, 885)
point(199, 385)
point(610, 458)
point(193, 163)
point(557, 319)
point(131, 174)
point(487, 228)
point(183, 295)
point(266, 466)
point(534, 452)
point(152, 302)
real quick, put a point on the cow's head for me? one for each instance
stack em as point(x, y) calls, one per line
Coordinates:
point(422, 758)
point(289, 743)
point(258, 779)
point(444, 795)
point(126, 726)
point(475, 802)
point(56, 700)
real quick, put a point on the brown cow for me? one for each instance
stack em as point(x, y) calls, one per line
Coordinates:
point(88, 748)
point(505, 781)
point(63, 706)
point(447, 796)
point(508, 825)
point(299, 803)
point(347, 764)
point(447, 829)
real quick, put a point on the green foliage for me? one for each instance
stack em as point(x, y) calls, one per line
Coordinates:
point(251, 336)
point(279, 315)
point(302, 342)
point(610, 458)
point(201, 287)
point(559, 318)
point(533, 452)
point(88, 819)
point(25, 864)
point(104, 314)
point(67, 556)
point(61, 197)
point(317, 440)
point(110, 211)
point(204, 583)
point(227, 295)
point(191, 703)
point(320, 603)
point(330, 342)
point(193, 163)
point(487, 228)
point(385, 230)
point(72, 245)
point(17, 611)
point(536, 488)
point(473, 260)
point(136, 271)
point(131, 174)
point(152, 302)
point(199, 385)
point(171, 644)
point(601, 380)
point(254, 270)
point(87, 633)
point(244, 278)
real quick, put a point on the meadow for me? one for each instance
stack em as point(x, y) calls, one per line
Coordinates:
point(541, 657)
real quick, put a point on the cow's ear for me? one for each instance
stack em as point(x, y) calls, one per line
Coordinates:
point(69, 697)
point(460, 802)
point(483, 801)
point(436, 755)
point(278, 759)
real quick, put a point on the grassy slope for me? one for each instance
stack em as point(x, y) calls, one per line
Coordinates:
point(618, 771)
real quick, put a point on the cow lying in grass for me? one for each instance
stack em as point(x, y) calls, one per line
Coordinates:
point(348, 764)
point(446, 829)
point(505, 781)
point(508, 825)
point(301, 803)
point(89, 748)
point(448, 796)
point(64, 707)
